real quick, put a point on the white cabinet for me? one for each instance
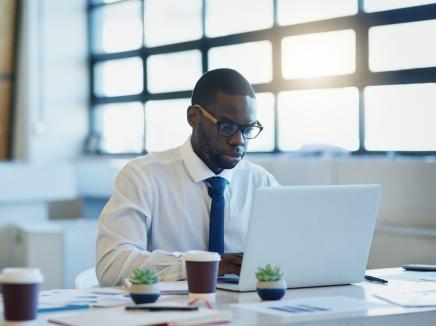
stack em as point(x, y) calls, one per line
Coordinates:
point(61, 249)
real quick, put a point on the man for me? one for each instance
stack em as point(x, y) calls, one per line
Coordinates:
point(194, 197)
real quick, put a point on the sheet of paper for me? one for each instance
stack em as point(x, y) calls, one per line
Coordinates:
point(95, 297)
point(429, 278)
point(409, 298)
point(312, 306)
point(412, 276)
point(119, 316)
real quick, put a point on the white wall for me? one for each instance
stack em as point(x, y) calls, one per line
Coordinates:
point(52, 101)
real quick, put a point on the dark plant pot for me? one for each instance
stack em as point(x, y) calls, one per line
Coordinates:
point(144, 297)
point(143, 293)
point(274, 290)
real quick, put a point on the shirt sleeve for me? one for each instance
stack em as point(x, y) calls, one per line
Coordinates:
point(122, 237)
point(271, 181)
point(268, 180)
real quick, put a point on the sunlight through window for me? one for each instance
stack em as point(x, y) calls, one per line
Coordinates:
point(166, 124)
point(301, 11)
point(402, 46)
point(119, 77)
point(253, 60)
point(117, 27)
point(380, 5)
point(161, 68)
point(400, 117)
point(320, 119)
point(224, 17)
point(121, 127)
point(321, 54)
point(171, 21)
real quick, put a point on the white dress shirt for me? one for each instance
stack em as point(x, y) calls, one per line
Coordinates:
point(160, 208)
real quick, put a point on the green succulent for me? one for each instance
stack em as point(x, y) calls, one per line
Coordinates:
point(144, 275)
point(269, 273)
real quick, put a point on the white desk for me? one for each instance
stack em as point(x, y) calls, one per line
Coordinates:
point(389, 315)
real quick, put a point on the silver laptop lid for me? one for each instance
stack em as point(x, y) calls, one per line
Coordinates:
point(318, 235)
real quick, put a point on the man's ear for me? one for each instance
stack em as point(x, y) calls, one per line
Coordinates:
point(193, 116)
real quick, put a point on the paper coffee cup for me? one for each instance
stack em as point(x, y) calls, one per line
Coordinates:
point(202, 273)
point(20, 287)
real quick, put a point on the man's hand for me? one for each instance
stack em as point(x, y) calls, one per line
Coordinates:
point(230, 264)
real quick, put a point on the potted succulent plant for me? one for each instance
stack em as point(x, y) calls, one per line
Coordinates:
point(144, 285)
point(270, 284)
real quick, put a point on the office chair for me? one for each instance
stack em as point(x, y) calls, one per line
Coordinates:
point(86, 279)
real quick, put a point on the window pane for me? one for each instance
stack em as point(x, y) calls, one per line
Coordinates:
point(253, 60)
point(172, 21)
point(400, 117)
point(300, 11)
point(162, 67)
point(380, 5)
point(321, 54)
point(117, 27)
point(166, 124)
point(402, 46)
point(265, 114)
point(224, 17)
point(118, 77)
point(121, 127)
point(317, 118)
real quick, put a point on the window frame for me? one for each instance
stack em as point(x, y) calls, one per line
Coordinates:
point(362, 77)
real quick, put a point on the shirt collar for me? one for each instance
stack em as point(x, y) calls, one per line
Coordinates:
point(197, 169)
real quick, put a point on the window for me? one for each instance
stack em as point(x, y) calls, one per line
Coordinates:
point(117, 27)
point(118, 77)
point(166, 124)
point(322, 54)
point(244, 16)
point(302, 11)
point(256, 68)
point(402, 46)
point(120, 127)
point(319, 118)
point(354, 76)
point(161, 68)
point(380, 5)
point(400, 117)
point(171, 21)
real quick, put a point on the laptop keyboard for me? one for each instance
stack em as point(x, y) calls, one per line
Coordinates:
point(233, 279)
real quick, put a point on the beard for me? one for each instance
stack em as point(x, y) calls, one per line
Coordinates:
point(215, 159)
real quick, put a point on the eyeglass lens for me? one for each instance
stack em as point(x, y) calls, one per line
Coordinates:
point(227, 129)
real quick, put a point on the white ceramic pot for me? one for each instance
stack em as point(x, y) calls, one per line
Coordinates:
point(144, 288)
point(144, 293)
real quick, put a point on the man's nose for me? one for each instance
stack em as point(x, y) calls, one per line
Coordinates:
point(237, 139)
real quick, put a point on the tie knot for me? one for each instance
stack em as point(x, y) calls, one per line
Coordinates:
point(217, 186)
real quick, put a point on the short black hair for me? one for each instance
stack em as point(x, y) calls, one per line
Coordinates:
point(225, 80)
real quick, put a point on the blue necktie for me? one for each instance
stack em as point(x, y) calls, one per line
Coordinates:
point(216, 224)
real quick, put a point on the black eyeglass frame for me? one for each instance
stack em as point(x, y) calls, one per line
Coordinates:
point(220, 122)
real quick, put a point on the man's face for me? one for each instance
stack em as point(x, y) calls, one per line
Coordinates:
point(219, 152)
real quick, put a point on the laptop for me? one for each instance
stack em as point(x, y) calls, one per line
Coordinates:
point(317, 235)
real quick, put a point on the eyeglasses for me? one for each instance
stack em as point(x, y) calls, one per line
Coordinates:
point(228, 128)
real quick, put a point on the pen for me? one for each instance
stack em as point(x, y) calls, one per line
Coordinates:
point(161, 308)
point(375, 279)
point(64, 308)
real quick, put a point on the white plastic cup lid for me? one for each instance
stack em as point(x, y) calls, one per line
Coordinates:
point(21, 275)
point(199, 255)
